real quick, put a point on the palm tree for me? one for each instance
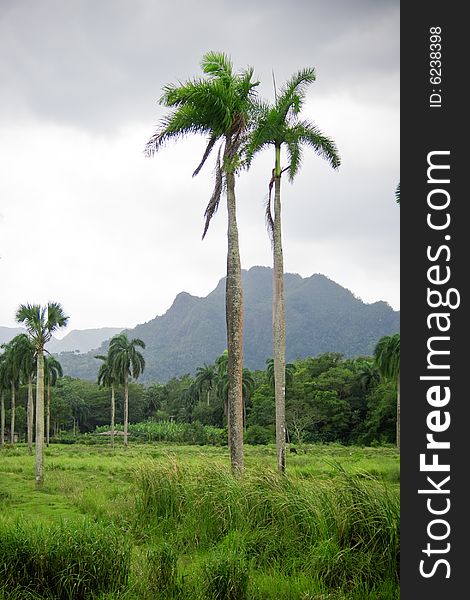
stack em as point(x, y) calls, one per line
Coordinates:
point(26, 359)
point(367, 373)
point(279, 125)
point(125, 360)
point(107, 378)
point(41, 322)
point(190, 397)
point(289, 372)
point(13, 373)
point(3, 388)
point(387, 359)
point(205, 379)
point(52, 372)
point(218, 106)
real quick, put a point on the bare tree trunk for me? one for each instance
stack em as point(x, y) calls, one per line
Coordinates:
point(2, 420)
point(113, 413)
point(279, 326)
point(48, 413)
point(398, 412)
point(126, 409)
point(40, 420)
point(234, 317)
point(29, 415)
point(13, 411)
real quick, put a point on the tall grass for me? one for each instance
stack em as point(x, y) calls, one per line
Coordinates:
point(65, 562)
point(343, 532)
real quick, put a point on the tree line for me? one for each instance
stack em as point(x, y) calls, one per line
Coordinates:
point(328, 398)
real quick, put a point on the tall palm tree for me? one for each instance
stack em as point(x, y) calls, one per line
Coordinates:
point(52, 372)
point(124, 361)
point(205, 379)
point(387, 359)
point(108, 378)
point(26, 359)
point(41, 322)
point(279, 125)
point(218, 106)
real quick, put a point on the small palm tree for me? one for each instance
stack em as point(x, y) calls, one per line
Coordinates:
point(52, 372)
point(26, 358)
point(367, 374)
point(40, 323)
point(3, 388)
point(13, 360)
point(218, 106)
point(279, 126)
point(387, 359)
point(289, 372)
point(126, 361)
point(205, 379)
point(108, 378)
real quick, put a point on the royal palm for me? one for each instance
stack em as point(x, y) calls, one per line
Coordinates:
point(41, 322)
point(218, 106)
point(124, 361)
point(108, 378)
point(278, 126)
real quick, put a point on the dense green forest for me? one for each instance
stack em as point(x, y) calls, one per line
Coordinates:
point(328, 398)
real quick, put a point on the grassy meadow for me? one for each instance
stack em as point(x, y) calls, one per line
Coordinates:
point(161, 521)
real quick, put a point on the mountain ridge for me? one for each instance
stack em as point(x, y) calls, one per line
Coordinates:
point(321, 316)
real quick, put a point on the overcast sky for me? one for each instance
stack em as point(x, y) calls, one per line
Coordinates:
point(87, 220)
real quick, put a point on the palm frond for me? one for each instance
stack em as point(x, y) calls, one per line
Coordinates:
point(217, 64)
point(325, 147)
point(216, 195)
point(292, 94)
point(206, 154)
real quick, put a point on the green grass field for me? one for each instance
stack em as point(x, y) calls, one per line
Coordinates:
point(160, 521)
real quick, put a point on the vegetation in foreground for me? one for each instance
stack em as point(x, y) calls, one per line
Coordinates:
point(173, 522)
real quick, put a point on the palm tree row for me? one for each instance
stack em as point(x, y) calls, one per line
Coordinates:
point(223, 106)
point(122, 361)
point(18, 365)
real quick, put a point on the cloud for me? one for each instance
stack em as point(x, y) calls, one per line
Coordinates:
point(91, 222)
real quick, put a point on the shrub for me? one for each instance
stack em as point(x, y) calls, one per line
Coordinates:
point(255, 434)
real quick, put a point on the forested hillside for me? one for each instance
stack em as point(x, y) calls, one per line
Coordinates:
point(321, 317)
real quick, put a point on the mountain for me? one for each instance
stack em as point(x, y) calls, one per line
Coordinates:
point(82, 340)
point(8, 333)
point(321, 316)
point(76, 340)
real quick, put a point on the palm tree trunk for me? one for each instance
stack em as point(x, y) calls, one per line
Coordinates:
point(2, 420)
point(13, 411)
point(113, 414)
point(234, 317)
point(279, 325)
point(40, 420)
point(398, 413)
point(48, 413)
point(29, 415)
point(126, 408)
